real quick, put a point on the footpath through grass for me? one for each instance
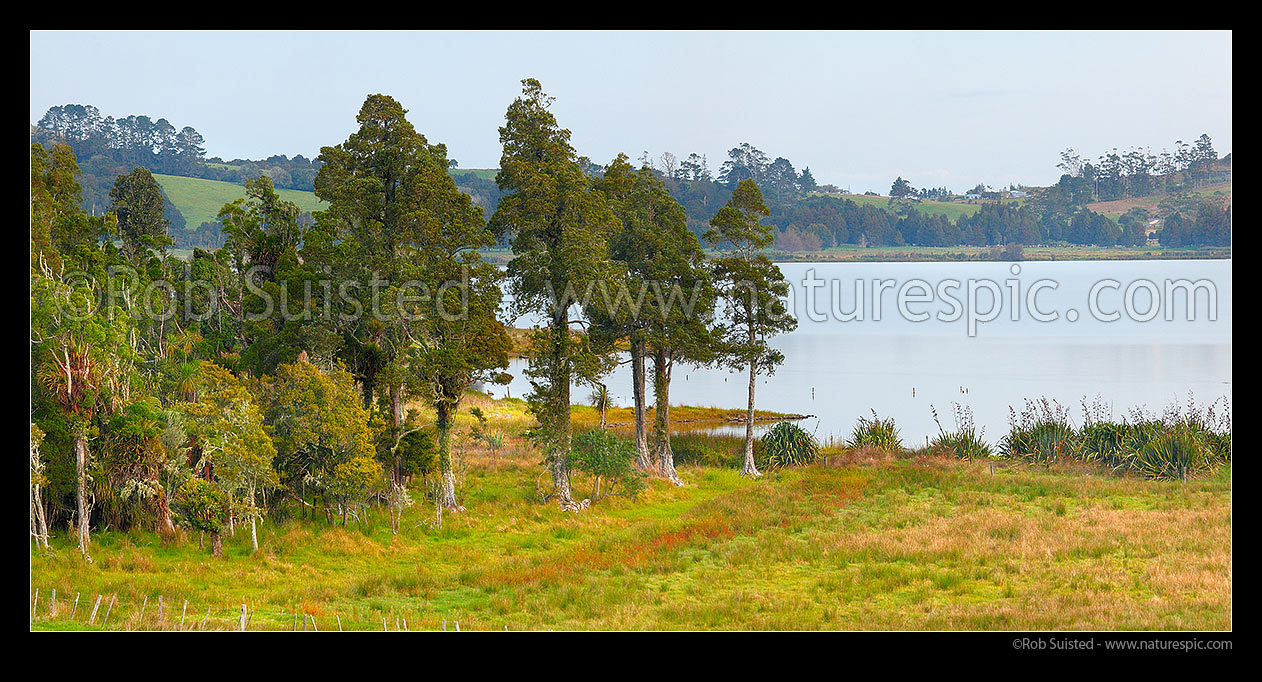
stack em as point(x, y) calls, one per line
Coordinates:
point(920, 543)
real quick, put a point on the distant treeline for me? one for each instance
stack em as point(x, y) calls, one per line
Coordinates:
point(805, 220)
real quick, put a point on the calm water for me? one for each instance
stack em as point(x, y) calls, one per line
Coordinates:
point(839, 367)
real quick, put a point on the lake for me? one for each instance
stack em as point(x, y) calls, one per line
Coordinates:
point(985, 335)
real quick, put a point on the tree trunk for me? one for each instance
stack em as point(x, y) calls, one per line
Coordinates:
point(166, 527)
point(662, 365)
point(447, 491)
point(749, 469)
point(396, 414)
point(39, 527)
point(81, 492)
point(642, 457)
point(216, 545)
point(254, 532)
point(560, 409)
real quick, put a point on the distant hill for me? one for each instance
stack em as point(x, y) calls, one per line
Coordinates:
point(200, 200)
point(481, 173)
point(1118, 207)
point(952, 210)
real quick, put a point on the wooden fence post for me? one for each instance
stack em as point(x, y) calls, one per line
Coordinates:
point(106, 619)
point(76, 606)
point(94, 609)
point(243, 618)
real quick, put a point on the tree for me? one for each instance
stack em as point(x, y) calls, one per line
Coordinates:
point(751, 288)
point(201, 506)
point(137, 201)
point(317, 423)
point(39, 526)
point(806, 181)
point(79, 347)
point(228, 445)
point(745, 162)
point(134, 456)
point(459, 341)
point(561, 227)
point(901, 189)
point(383, 205)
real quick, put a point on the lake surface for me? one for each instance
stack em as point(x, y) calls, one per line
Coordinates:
point(973, 351)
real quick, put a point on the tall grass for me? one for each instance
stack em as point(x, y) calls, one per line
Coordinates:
point(878, 433)
point(1041, 433)
point(965, 442)
point(788, 444)
point(1184, 441)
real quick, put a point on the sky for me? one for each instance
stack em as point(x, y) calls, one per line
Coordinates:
point(859, 108)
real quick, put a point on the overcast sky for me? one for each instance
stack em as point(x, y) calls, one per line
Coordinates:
point(950, 108)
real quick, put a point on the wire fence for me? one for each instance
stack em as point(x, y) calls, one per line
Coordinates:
point(154, 612)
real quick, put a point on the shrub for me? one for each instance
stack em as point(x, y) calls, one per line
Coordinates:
point(877, 433)
point(963, 443)
point(605, 456)
point(1173, 454)
point(1041, 434)
point(201, 506)
point(788, 444)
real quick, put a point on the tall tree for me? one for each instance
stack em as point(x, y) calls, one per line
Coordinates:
point(561, 226)
point(137, 203)
point(752, 289)
point(460, 340)
point(379, 185)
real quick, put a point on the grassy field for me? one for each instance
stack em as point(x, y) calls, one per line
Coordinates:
point(482, 173)
point(1118, 208)
point(200, 200)
point(859, 541)
point(950, 209)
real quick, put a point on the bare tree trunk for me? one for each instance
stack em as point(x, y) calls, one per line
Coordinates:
point(81, 491)
point(216, 545)
point(642, 458)
point(749, 469)
point(662, 365)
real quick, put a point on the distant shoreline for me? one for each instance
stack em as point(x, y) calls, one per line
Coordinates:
point(968, 254)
